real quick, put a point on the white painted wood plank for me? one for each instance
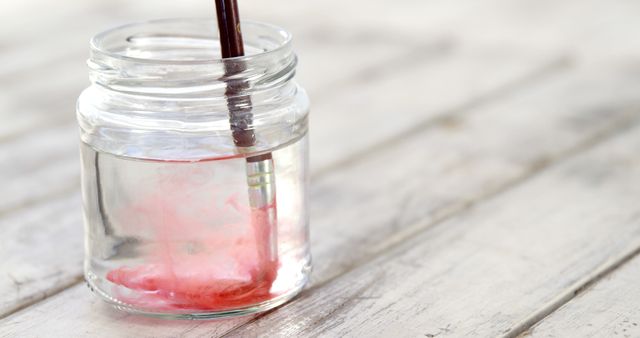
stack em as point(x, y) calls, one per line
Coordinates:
point(100, 320)
point(460, 161)
point(330, 50)
point(483, 272)
point(609, 308)
point(39, 35)
point(409, 95)
point(316, 142)
point(31, 102)
point(44, 165)
point(41, 251)
point(466, 74)
point(572, 25)
point(38, 167)
point(44, 55)
point(58, 50)
point(28, 179)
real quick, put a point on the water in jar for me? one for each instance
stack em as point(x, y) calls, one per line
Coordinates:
point(181, 237)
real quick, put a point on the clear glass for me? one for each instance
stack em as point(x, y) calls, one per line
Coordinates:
point(180, 220)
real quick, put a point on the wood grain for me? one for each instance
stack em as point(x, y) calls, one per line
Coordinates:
point(91, 317)
point(47, 70)
point(461, 162)
point(30, 180)
point(44, 254)
point(39, 168)
point(467, 69)
point(485, 271)
point(55, 175)
point(490, 92)
point(609, 308)
point(55, 169)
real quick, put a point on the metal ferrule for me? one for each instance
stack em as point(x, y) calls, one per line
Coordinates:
point(261, 182)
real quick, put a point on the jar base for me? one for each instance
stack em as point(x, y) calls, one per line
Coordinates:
point(204, 315)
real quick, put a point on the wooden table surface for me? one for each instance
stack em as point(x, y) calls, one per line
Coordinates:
point(475, 168)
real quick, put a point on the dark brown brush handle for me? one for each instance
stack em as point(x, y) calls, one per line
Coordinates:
point(260, 169)
point(231, 45)
point(229, 27)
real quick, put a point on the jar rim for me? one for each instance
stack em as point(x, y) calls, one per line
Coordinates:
point(97, 42)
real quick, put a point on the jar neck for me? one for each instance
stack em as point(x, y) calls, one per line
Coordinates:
point(160, 91)
point(180, 59)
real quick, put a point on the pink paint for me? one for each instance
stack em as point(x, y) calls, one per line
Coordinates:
point(194, 265)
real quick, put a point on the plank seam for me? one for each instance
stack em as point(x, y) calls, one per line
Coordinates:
point(534, 170)
point(436, 50)
point(44, 295)
point(443, 118)
point(527, 325)
point(419, 55)
point(446, 117)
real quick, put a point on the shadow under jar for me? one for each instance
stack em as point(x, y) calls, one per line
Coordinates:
point(172, 226)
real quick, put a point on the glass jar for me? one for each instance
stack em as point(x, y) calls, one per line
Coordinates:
point(184, 156)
